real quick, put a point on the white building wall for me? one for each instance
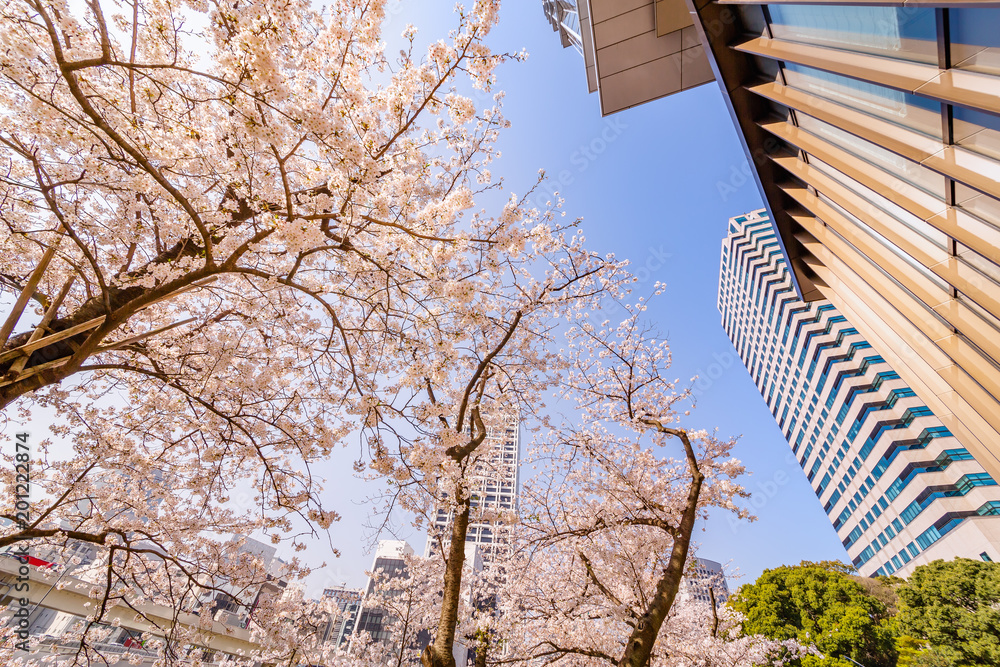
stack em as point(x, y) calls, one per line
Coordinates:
point(701, 575)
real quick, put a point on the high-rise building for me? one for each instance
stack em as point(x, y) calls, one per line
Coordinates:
point(704, 580)
point(873, 130)
point(898, 486)
point(348, 602)
point(494, 486)
point(634, 51)
point(389, 564)
point(342, 594)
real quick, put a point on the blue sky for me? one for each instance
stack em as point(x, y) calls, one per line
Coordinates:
point(655, 184)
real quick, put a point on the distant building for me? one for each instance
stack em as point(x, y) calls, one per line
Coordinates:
point(348, 602)
point(702, 576)
point(349, 606)
point(389, 564)
point(899, 488)
point(230, 609)
point(342, 594)
point(366, 616)
point(52, 616)
point(495, 484)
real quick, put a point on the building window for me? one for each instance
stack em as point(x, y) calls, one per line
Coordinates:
point(975, 42)
point(978, 131)
point(967, 482)
point(904, 109)
point(990, 508)
point(898, 32)
point(894, 165)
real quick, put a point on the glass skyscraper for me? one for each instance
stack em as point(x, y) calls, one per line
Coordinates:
point(898, 486)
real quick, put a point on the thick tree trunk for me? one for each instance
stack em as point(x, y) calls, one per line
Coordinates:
point(640, 644)
point(119, 303)
point(439, 653)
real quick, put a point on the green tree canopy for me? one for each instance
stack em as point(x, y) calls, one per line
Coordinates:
point(955, 607)
point(819, 604)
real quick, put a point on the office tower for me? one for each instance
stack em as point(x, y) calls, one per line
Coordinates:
point(703, 581)
point(348, 602)
point(634, 51)
point(494, 486)
point(898, 486)
point(873, 130)
point(342, 594)
point(389, 564)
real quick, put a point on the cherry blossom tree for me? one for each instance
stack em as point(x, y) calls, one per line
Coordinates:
point(499, 361)
point(608, 521)
point(238, 235)
point(291, 629)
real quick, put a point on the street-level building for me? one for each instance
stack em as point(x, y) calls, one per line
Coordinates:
point(898, 486)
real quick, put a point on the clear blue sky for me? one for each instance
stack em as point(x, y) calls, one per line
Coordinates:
point(647, 183)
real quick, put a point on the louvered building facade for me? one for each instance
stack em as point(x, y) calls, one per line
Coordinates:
point(898, 486)
point(873, 129)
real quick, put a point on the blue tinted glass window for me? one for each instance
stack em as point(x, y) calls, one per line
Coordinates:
point(975, 40)
point(906, 33)
point(977, 131)
point(905, 109)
